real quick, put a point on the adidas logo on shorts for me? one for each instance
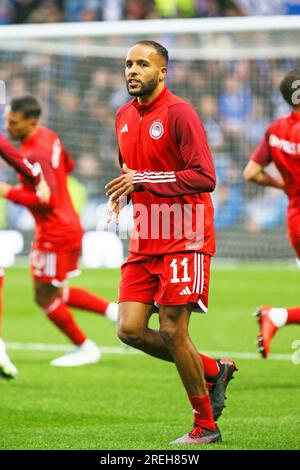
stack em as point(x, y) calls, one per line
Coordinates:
point(185, 291)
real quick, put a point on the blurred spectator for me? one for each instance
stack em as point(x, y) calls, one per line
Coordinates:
point(257, 124)
point(266, 7)
point(112, 10)
point(45, 11)
point(280, 107)
point(37, 11)
point(235, 105)
point(228, 197)
point(137, 9)
point(7, 12)
point(82, 10)
point(208, 8)
point(209, 116)
point(266, 210)
point(269, 7)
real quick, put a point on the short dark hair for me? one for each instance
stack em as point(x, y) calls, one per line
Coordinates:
point(27, 105)
point(287, 86)
point(160, 49)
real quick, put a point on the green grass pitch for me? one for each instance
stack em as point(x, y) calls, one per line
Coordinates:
point(132, 401)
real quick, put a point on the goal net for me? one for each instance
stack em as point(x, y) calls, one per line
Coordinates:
point(228, 69)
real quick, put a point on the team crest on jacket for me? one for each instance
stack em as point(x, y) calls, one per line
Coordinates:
point(156, 130)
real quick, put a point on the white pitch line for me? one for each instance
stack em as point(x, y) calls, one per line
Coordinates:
point(127, 350)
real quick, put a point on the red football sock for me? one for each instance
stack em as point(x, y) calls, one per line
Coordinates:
point(1, 286)
point(293, 315)
point(210, 365)
point(80, 298)
point(59, 314)
point(202, 412)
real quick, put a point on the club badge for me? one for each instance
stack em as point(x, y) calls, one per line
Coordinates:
point(156, 130)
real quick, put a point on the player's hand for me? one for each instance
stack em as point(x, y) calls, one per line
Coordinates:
point(121, 186)
point(43, 191)
point(4, 189)
point(114, 209)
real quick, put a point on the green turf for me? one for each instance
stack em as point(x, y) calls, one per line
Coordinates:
point(136, 402)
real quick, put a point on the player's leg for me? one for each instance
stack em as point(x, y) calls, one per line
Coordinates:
point(48, 297)
point(174, 322)
point(7, 369)
point(137, 283)
point(184, 279)
point(49, 271)
point(271, 319)
point(172, 343)
point(137, 290)
point(84, 300)
point(81, 298)
point(134, 331)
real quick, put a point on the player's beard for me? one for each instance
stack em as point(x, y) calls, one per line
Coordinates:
point(145, 88)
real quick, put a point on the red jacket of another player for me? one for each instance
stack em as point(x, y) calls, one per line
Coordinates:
point(57, 224)
point(165, 142)
point(281, 144)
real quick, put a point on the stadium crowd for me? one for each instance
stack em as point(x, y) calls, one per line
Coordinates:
point(41, 11)
point(235, 101)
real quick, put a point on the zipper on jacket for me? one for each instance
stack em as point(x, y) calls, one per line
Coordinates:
point(140, 125)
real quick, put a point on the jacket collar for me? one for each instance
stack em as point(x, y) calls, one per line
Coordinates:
point(155, 103)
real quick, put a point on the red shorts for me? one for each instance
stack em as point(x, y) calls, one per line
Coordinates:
point(54, 267)
point(173, 279)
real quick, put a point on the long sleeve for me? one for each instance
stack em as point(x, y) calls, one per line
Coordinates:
point(199, 173)
point(262, 154)
point(25, 194)
point(27, 198)
point(10, 154)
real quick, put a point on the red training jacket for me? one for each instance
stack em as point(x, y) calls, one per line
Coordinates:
point(10, 154)
point(57, 224)
point(165, 142)
point(281, 144)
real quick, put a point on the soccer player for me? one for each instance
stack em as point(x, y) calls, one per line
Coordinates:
point(33, 173)
point(168, 172)
point(281, 145)
point(58, 234)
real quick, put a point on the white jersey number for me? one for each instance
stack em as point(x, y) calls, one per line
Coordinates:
point(174, 266)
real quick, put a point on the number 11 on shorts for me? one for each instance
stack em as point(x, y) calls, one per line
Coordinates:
point(174, 266)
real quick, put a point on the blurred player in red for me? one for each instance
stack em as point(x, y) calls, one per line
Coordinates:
point(280, 145)
point(58, 233)
point(161, 137)
point(33, 174)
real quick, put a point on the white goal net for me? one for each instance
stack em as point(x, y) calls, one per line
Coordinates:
point(228, 69)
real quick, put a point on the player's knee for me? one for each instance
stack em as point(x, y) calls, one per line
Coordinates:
point(129, 335)
point(38, 298)
point(43, 296)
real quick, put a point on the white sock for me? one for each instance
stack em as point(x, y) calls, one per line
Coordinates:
point(278, 316)
point(2, 345)
point(112, 312)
